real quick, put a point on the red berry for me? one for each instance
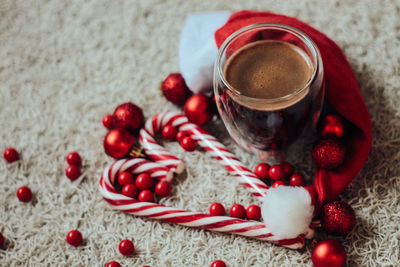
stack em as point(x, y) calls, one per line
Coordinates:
point(169, 132)
point(1, 240)
point(73, 172)
point(74, 238)
point(11, 155)
point(261, 171)
point(217, 209)
point(125, 178)
point(276, 172)
point(188, 143)
point(144, 181)
point(113, 264)
point(175, 89)
point(278, 183)
point(163, 189)
point(130, 190)
point(108, 121)
point(24, 194)
point(296, 180)
point(218, 263)
point(287, 168)
point(253, 212)
point(237, 211)
point(180, 135)
point(73, 158)
point(146, 196)
point(126, 247)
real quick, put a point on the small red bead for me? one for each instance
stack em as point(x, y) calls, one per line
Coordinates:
point(11, 155)
point(237, 211)
point(278, 183)
point(276, 172)
point(24, 194)
point(180, 135)
point(73, 172)
point(113, 264)
point(126, 247)
point(253, 212)
point(144, 181)
point(169, 132)
point(296, 179)
point(188, 143)
point(125, 178)
point(287, 168)
point(1, 240)
point(74, 238)
point(108, 121)
point(163, 189)
point(73, 158)
point(146, 196)
point(217, 209)
point(130, 190)
point(218, 263)
point(261, 171)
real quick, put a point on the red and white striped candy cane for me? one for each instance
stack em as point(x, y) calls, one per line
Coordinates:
point(251, 229)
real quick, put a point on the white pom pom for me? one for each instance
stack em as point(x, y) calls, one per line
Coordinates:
point(287, 211)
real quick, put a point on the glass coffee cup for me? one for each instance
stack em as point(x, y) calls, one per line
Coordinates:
point(269, 86)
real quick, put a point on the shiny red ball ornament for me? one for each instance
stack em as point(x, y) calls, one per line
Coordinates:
point(169, 132)
point(125, 178)
point(128, 116)
point(188, 144)
point(73, 158)
point(261, 171)
point(276, 172)
point(218, 263)
point(338, 218)
point(180, 135)
point(237, 211)
point(1, 240)
point(126, 247)
point(216, 209)
point(174, 88)
point(163, 189)
point(24, 194)
point(11, 155)
point(144, 181)
point(287, 169)
point(113, 264)
point(329, 152)
point(296, 179)
point(108, 121)
point(199, 109)
point(332, 124)
point(130, 190)
point(253, 212)
point(278, 183)
point(73, 172)
point(74, 238)
point(329, 253)
point(118, 143)
point(146, 196)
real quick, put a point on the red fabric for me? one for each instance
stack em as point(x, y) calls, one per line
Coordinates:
point(342, 94)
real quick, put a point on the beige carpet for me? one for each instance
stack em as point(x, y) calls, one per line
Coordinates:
point(63, 66)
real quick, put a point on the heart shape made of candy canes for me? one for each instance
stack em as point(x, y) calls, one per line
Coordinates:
point(165, 163)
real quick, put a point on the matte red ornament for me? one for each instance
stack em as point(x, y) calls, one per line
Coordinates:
point(108, 121)
point(296, 179)
point(11, 155)
point(128, 116)
point(169, 132)
point(1, 240)
point(175, 89)
point(287, 168)
point(216, 209)
point(199, 109)
point(125, 178)
point(188, 144)
point(338, 218)
point(118, 143)
point(113, 264)
point(218, 263)
point(329, 253)
point(146, 196)
point(180, 135)
point(237, 211)
point(329, 152)
point(278, 183)
point(276, 172)
point(24, 194)
point(73, 172)
point(253, 212)
point(261, 171)
point(144, 181)
point(332, 124)
point(73, 158)
point(163, 189)
point(126, 247)
point(130, 190)
point(74, 238)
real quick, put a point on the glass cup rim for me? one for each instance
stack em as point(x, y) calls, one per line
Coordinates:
point(301, 35)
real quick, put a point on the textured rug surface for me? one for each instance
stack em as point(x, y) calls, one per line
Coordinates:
point(64, 64)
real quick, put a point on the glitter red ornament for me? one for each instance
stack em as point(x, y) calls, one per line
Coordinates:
point(125, 178)
point(188, 144)
point(163, 189)
point(332, 124)
point(73, 172)
point(261, 171)
point(329, 253)
point(218, 263)
point(253, 212)
point(237, 211)
point(73, 158)
point(24, 194)
point(199, 109)
point(276, 172)
point(144, 181)
point(338, 218)
point(126, 247)
point(175, 89)
point(169, 132)
point(108, 121)
point(11, 155)
point(216, 209)
point(130, 190)
point(329, 152)
point(74, 238)
point(128, 116)
point(113, 264)
point(118, 143)
point(296, 179)
point(146, 196)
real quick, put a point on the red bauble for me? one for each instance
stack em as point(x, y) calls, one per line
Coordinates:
point(287, 168)
point(261, 171)
point(180, 135)
point(338, 218)
point(253, 212)
point(188, 143)
point(24, 194)
point(169, 132)
point(126, 247)
point(1, 240)
point(113, 264)
point(146, 196)
point(125, 178)
point(296, 179)
point(332, 124)
point(329, 152)
point(144, 181)
point(217, 209)
point(278, 183)
point(73, 158)
point(163, 189)
point(276, 172)
point(175, 89)
point(74, 238)
point(329, 253)
point(128, 116)
point(118, 142)
point(11, 155)
point(108, 121)
point(237, 211)
point(73, 172)
point(130, 190)
point(218, 263)
point(199, 109)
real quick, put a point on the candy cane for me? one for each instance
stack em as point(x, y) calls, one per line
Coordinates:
point(251, 229)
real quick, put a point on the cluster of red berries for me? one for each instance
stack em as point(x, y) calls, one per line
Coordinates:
point(73, 171)
point(253, 212)
point(169, 132)
point(278, 173)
